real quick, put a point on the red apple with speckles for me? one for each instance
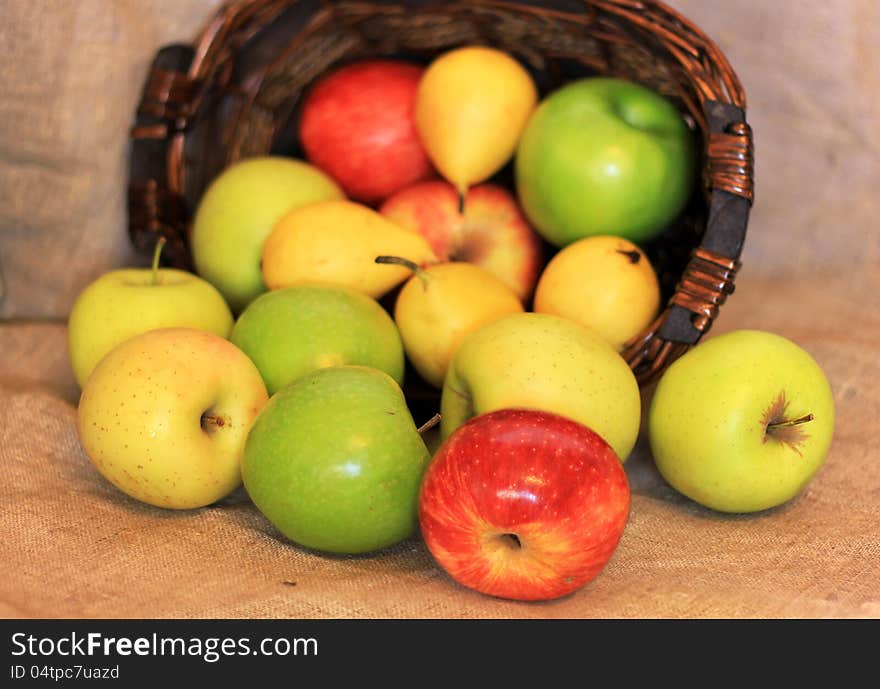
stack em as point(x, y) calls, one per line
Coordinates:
point(523, 504)
point(358, 126)
point(492, 232)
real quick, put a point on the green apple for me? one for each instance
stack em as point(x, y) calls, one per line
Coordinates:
point(290, 332)
point(742, 422)
point(129, 301)
point(604, 156)
point(165, 415)
point(544, 362)
point(335, 462)
point(238, 211)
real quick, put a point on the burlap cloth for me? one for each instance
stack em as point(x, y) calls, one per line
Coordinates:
point(73, 546)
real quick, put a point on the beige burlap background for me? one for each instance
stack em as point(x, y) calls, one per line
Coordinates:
point(73, 546)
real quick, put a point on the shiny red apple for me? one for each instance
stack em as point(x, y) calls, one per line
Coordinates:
point(358, 126)
point(523, 504)
point(492, 232)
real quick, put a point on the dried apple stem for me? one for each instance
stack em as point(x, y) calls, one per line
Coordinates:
point(156, 253)
point(429, 424)
point(793, 422)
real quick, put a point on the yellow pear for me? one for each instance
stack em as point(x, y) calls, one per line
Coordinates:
point(440, 305)
point(605, 283)
point(337, 242)
point(472, 106)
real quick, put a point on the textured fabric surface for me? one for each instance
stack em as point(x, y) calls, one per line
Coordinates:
point(73, 546)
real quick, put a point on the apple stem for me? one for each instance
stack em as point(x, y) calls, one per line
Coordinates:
point(406, 263)
point(461, 199)
point(429, 424)
point(793, 422)
point(156, 253)
point(632, 255)
point(212, 421)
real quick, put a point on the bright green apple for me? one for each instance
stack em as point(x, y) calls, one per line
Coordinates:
point(335, 461)
point(164, 416)
point(290, 332)
point(239, 210)
point(129, 301)
point(539, 361)
point(604, 156)
point(742, 422)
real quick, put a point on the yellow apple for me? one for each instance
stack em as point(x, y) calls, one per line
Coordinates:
point(129, 301)
point(440, 305)
point(539, 361)
point(165, 415)
point(605, 283)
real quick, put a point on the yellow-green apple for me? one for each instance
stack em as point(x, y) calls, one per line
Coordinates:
point(164, 416)
point(238, 211)
point(605, 283)
point(358, 125)
point(539, 361)
point(335, 461)
point(491, 232)
point(604, 156)
point(523, 504)
point(440, 305)
point(290, 332)
point(129, 301)
point(742, 422)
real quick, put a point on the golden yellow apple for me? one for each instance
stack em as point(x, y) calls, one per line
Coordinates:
point(605, 283)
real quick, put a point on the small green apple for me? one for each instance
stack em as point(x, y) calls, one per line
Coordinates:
point(604, 156)
point(164, 416)
point(335, 461)
point(742, 422)
point(239, 210)
point(290, 332)
point(544, 362)
point(126, 302)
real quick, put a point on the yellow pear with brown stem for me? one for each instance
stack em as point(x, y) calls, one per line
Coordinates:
point(472, 106)
point(336, 243)
point(440, 305)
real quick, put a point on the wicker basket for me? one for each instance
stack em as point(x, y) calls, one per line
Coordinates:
point(235, 93)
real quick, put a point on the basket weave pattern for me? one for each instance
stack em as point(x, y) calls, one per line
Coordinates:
point(235, 91)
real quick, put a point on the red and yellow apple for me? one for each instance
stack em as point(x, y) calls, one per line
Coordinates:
point(492, 232)
point(523, 504)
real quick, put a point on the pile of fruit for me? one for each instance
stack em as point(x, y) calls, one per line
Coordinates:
point(393, 249)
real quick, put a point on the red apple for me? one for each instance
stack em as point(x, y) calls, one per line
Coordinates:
point(492, 232)
point(523, 504)
point(358, 126)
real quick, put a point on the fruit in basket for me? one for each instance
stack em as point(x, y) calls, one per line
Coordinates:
point(290, 332)
point(164, 416)
point(440, 305)
point(471, 108)
point(337, 242)
point(524, 504)
point(334, 461)
point(238, 211)
point(358, 125)
point(742, 422)
point(605, 283)
point(604, 156)
point(491, 232)
point(539, 361)
point(126, 302)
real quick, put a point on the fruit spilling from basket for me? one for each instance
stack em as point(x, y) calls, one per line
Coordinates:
point(447, 227)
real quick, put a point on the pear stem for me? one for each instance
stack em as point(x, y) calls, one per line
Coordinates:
point(429, 424)
point(793, 422)
point(156, 253)
point(406, 263)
